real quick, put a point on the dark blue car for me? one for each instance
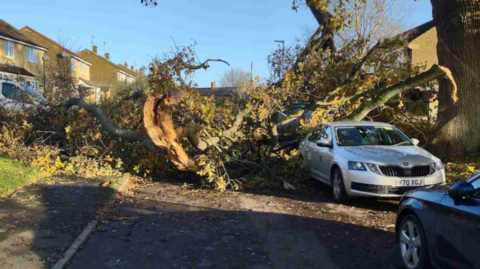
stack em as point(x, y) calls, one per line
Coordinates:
point(440, 226)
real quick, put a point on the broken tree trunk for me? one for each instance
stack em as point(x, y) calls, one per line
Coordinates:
point(157, 117)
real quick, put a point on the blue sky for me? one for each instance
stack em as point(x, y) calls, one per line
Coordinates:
point(238, 31)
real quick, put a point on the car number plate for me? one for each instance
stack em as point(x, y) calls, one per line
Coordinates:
point(408, 182)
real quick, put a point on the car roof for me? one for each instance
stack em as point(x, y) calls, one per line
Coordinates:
point(356, 123)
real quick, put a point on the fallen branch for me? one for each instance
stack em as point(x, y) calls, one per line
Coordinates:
point(104, 121)
point(136, 95)
point(435, 72)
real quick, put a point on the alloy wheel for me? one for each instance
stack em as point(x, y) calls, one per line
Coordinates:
point(337, 185)
point(410, 244)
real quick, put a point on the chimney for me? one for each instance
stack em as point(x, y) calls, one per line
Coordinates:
point(107, 56)
point(213, 85)
point(95, 49)
point(131, 68)
point(126, 64)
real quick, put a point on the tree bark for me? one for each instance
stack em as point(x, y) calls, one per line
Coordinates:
point(458, 32)
point(157, 117)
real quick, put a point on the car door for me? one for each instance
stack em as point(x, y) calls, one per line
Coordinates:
point(325, 154)
point(312, 153)
point(457, 229)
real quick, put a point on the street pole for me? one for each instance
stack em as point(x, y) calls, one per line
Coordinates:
point(283, 53)
point(45, 59)
point(44, 78)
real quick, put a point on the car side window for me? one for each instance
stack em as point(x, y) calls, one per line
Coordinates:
point(321, 132)
point(327, 134)
point(314, 136)
point(476, 185)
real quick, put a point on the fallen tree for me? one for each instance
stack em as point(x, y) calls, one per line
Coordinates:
point(233, 142)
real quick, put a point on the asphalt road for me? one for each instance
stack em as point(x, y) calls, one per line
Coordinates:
point(168, 226)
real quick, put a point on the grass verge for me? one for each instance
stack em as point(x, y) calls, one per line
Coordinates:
point(14, 174)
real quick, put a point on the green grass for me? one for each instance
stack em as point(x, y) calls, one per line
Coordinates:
point(14, 174)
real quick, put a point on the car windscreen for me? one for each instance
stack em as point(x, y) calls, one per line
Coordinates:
point(371, 136)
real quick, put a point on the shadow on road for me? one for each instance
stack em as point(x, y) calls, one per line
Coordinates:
point(41, 221)
point(154, 234)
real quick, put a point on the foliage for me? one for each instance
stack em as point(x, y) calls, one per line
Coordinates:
point(461, 170)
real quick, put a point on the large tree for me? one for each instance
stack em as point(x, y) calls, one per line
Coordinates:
point(235, 77)
point(458, 31)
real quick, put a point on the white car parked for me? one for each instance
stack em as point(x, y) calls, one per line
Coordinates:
point(368, 159)
point(11, 93)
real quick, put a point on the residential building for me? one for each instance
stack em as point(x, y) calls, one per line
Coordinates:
point(420, 45)
point(218, 92)
point(420, 48)
point(80, 68)
point(108, 75)
point(21, 59)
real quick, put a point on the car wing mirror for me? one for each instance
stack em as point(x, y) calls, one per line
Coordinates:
point(461, 189)
point(415, 141)
point(323, 142)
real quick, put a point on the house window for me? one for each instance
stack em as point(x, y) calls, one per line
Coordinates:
point(32, 55)
point(74, 64)
point(9, 49)
point(81, 68)
point(86, 69)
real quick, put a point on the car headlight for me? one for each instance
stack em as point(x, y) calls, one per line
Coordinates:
point(356, 166)
point(373, 168)
point(439, 165)
point(433, 168)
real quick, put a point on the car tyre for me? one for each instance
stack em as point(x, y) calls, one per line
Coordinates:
point(413, 243)
point(338, 187)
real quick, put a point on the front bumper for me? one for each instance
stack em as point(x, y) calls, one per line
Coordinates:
point(366, 183)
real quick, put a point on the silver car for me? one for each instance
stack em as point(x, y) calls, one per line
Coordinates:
point(368, 159)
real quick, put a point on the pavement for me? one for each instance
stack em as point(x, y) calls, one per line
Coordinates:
point(168, 225)
point(39, 222)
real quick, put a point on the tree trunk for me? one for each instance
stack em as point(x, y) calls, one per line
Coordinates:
point(458, 31)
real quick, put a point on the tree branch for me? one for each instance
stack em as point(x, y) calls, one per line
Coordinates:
point(433, 73)
point(203, 65)
point(104, 120)
point(230, 133)
point(136, 95)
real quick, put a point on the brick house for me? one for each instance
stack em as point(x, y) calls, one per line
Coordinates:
point(21, 59)
point(106, 74)
point(420, 48)
point(80, 68)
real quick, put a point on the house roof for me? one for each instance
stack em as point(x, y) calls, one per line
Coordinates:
point(218, 92)
point(16, 70)
point(54, 43)
point(87, 82)
point(9, 32)
point(127, 70)
point(415, 32)
point(117, 66)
